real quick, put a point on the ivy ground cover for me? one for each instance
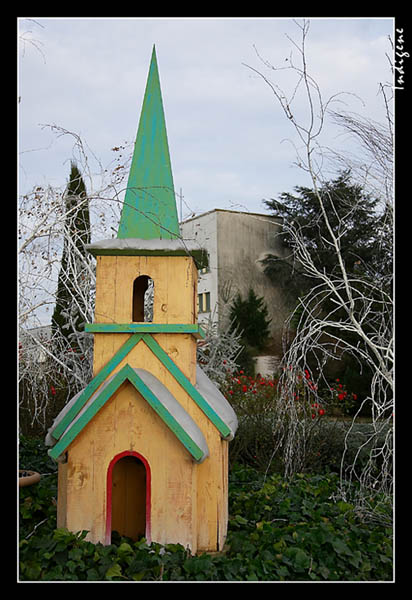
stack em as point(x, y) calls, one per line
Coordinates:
point(278, 531)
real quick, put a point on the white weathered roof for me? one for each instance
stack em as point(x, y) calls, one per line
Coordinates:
point(216, 400)
point(156, 247)
point(162, 394)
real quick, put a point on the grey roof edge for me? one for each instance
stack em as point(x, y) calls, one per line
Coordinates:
point(237, 212)
point(161, 393)
point(52, 441)
point(154, 247)
point(216, 401)
point(175, 409)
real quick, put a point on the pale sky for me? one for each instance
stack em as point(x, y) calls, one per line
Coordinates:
point(226, 131)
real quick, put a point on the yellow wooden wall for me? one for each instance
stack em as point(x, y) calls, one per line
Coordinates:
point(175, 287)
point(199, 492)
point(127, 422)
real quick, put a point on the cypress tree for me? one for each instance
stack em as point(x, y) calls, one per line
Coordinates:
point(77, 234)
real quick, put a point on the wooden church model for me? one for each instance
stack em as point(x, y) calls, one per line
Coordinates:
point(143, 449)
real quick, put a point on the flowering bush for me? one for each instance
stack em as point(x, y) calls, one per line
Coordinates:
point(248, 393)
point(342, 401)
point(267, 407)
point(254, 400)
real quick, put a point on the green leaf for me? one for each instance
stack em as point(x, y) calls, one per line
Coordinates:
point(344, 506)
point(340, 547)
point(114, 571)
point(125, 548)
point(324, 571)
point(356, 559)
point(300, 559)
point(92, 575)
point(241, 520)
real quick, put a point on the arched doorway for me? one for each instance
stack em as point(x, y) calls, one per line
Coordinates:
point(128, 496)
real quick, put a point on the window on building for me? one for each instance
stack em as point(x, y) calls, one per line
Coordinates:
point(143, 296)
point(204, 302)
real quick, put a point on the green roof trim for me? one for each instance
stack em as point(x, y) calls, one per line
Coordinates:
point(194, 329)
point(93, 385)
point(163, 403)
point(66, 421)
point(202, 403)
point(149, 209)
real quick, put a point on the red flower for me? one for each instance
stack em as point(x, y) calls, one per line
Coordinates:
point(354, 396)
point(321, 412)
point(230, 392)
point(313, 416)
point(341, 396)
point(53, 390)
point(244, 388)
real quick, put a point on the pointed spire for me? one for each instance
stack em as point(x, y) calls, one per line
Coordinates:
point(149, 210)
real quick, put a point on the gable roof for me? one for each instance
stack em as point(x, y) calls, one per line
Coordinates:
point(205, 394)
point(157, 396)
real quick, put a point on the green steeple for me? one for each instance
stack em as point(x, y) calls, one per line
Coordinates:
point(149, 210)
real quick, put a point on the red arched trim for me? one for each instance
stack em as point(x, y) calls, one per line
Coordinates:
point(109, 493)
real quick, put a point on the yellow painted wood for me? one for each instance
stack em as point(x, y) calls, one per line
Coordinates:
point(105, 288)
point(211, 504)
point(189, 500)
point(175, 284)
point(174, 281)
point(127, 422)
point(62, 495)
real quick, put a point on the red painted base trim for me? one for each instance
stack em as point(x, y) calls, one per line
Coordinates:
point(109, 494)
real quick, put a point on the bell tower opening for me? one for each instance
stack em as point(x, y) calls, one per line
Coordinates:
point(143, 299)
point(128, 495)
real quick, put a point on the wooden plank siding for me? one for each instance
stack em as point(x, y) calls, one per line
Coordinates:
point(188, 501)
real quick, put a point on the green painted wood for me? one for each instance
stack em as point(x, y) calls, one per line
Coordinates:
point(149, 209)
point(126, 373)
point(202, 332)
point(89, 390)
point(186, 384)
point(194, 329)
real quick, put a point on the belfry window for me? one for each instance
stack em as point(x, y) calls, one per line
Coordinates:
point(204, 302)
point(143, 297)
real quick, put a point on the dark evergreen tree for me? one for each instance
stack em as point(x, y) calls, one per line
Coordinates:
point(249, 317)
point(353, 215)
point(67, 314)
point(365, 241)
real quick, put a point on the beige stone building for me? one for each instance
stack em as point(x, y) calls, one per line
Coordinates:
point(237, 242)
